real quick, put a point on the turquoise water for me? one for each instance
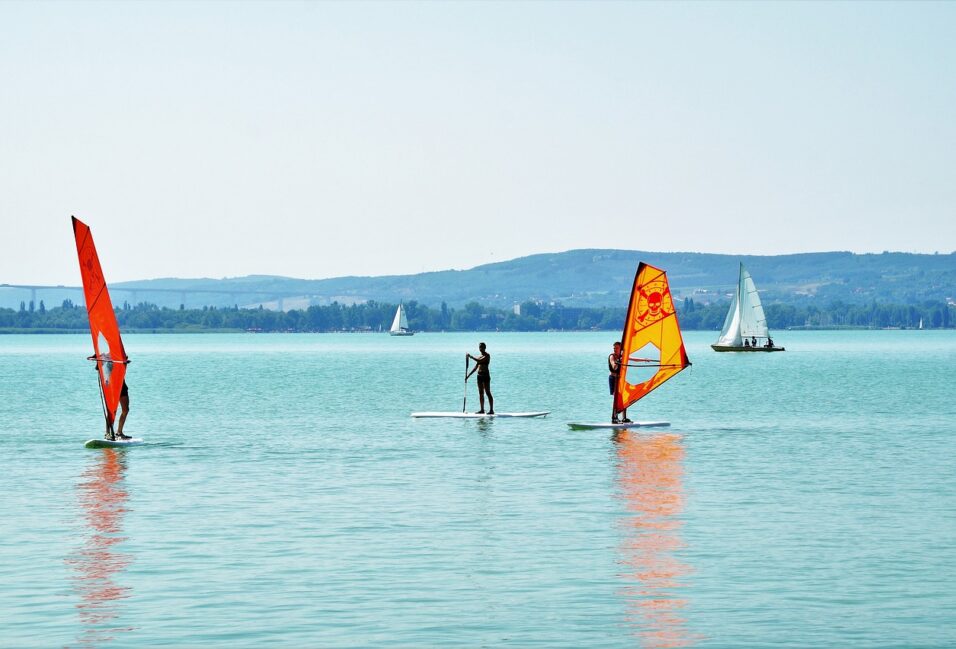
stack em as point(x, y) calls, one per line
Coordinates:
point(285, 497)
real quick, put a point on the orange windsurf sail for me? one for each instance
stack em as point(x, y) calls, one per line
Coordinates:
point(108, 351)
point(652, 347)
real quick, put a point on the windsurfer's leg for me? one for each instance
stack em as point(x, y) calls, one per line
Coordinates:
point(481, 398)
point(491, 399)
point(124, 404)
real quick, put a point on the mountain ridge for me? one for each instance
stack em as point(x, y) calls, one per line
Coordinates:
point(580, 277)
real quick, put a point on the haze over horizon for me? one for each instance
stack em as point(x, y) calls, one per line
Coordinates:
point(318, 140)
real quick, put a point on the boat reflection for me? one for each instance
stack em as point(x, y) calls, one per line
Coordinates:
point(650, 472)
point(98, 562)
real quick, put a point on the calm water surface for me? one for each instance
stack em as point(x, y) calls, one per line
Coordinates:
point(285, 497)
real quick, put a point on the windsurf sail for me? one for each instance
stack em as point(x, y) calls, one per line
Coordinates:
point(746, 318)
point(108, 352)
point(652, 346)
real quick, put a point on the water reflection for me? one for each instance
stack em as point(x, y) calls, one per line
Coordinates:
point(98, 562)
point(650, 472)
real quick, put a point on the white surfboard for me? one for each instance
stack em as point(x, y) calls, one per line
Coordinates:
point(634, 424)
point(474, 415)
point(116, 443)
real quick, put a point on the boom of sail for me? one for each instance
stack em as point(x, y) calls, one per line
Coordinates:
point(745, 319)
point(108, 351)
point(652, 346)
point(400, 323)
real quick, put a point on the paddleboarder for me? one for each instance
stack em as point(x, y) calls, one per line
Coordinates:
point(614, 367)
point(484, 379)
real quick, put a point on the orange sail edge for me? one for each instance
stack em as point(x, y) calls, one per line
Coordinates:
point(652, 347)
point(108, 351)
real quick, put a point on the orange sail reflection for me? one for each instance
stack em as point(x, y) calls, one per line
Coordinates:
point(650, 473)
point(96, 564)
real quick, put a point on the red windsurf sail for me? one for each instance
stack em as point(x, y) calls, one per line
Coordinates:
point(653, 350)
point(108, 351)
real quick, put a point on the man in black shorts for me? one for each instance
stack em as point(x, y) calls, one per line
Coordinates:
point(484, 379)
point(614, 367)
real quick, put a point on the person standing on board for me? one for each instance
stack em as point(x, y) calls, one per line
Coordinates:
point(124, 404)
point(614, 367)
point(484, 379)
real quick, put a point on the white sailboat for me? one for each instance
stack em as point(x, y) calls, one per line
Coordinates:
point(400, 323)
point(920, 323)
point(745, 321)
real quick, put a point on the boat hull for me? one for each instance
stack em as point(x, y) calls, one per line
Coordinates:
point(727, 348)
point(401, 333)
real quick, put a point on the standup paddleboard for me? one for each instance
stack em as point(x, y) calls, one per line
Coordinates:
point(116, 443)
point(635, 424)
point(474, 415)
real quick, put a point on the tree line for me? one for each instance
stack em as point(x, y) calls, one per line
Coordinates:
point(532, 316)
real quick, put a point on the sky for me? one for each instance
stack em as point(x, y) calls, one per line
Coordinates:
point(318, 140)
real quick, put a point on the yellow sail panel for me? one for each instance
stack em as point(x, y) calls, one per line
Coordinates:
point(652, 347)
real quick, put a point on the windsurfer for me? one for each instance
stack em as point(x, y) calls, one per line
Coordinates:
point(124, 404)
point(484, 378)
point(614, 367)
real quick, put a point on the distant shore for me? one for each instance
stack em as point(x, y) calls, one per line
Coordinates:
point(13, 331)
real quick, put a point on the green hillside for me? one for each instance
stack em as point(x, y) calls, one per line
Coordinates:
point(592, 277)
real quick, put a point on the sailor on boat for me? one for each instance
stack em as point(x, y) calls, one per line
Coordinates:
point(484, 379)
point(614, 367)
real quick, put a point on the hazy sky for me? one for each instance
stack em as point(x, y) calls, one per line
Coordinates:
point(319, 139)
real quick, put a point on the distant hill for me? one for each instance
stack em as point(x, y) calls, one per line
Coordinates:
point(591, 277)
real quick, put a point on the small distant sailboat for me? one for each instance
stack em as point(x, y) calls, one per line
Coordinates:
point(745, 321)
point(400, 323)
point(652, 346)
point(108, 351)
point(920, 323)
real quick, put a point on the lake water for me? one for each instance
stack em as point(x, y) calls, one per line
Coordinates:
point(286, 498)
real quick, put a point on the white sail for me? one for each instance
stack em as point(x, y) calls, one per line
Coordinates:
point(400, 323)
point(397, 322)
point(746, 318)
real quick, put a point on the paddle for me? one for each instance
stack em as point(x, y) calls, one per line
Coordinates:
point(464, 397)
